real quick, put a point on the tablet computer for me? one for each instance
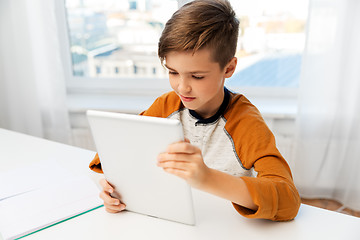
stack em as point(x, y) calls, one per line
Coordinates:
point(128, 146)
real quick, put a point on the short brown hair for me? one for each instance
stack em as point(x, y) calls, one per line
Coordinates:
point(200, 24)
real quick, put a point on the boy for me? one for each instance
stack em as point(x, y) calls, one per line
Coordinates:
point(226, 137)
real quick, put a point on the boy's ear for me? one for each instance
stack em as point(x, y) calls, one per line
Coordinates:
point(230, 67)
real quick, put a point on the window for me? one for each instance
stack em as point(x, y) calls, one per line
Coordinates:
point(271, 42)
point(113, 44)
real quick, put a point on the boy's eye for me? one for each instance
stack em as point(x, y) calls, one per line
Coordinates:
point(173, 73)
point(197, 77)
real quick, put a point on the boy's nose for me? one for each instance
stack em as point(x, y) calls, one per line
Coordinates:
point(184, 86)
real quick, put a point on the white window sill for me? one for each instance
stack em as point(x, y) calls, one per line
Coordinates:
point(270, 107)
point(278, 113)
point(79, 103)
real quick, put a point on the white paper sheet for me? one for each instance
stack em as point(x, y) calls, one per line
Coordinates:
point(29, 178)
point(51, 196)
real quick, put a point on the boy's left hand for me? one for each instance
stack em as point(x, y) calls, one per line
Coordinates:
point(184, 160)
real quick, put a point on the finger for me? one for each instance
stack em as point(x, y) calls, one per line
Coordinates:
point(109, 199)
point(179, 157)
point(177, 172)
point(114, 209)
point(180, 165)
point(106, 185)
point(112, 203)
point(182, 147)
point(111, 211)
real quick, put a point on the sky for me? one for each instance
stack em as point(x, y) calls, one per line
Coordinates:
point(298, 8)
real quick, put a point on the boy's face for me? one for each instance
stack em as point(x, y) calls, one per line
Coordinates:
point(198, 80)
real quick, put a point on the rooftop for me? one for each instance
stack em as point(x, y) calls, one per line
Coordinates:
point(269, 71)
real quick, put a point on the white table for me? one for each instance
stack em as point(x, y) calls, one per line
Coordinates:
point(216, 218)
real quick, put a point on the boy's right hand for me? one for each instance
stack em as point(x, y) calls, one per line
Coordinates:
point(112, 205)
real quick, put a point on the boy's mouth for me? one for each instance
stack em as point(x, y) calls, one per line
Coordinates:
point(186, 99)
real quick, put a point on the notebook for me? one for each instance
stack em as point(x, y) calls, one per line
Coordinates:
point(128, 146)
point(40, 195)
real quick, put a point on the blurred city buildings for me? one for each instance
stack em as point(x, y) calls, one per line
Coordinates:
point(118, 39)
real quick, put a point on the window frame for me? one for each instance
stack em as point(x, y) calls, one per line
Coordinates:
point(150, 88)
